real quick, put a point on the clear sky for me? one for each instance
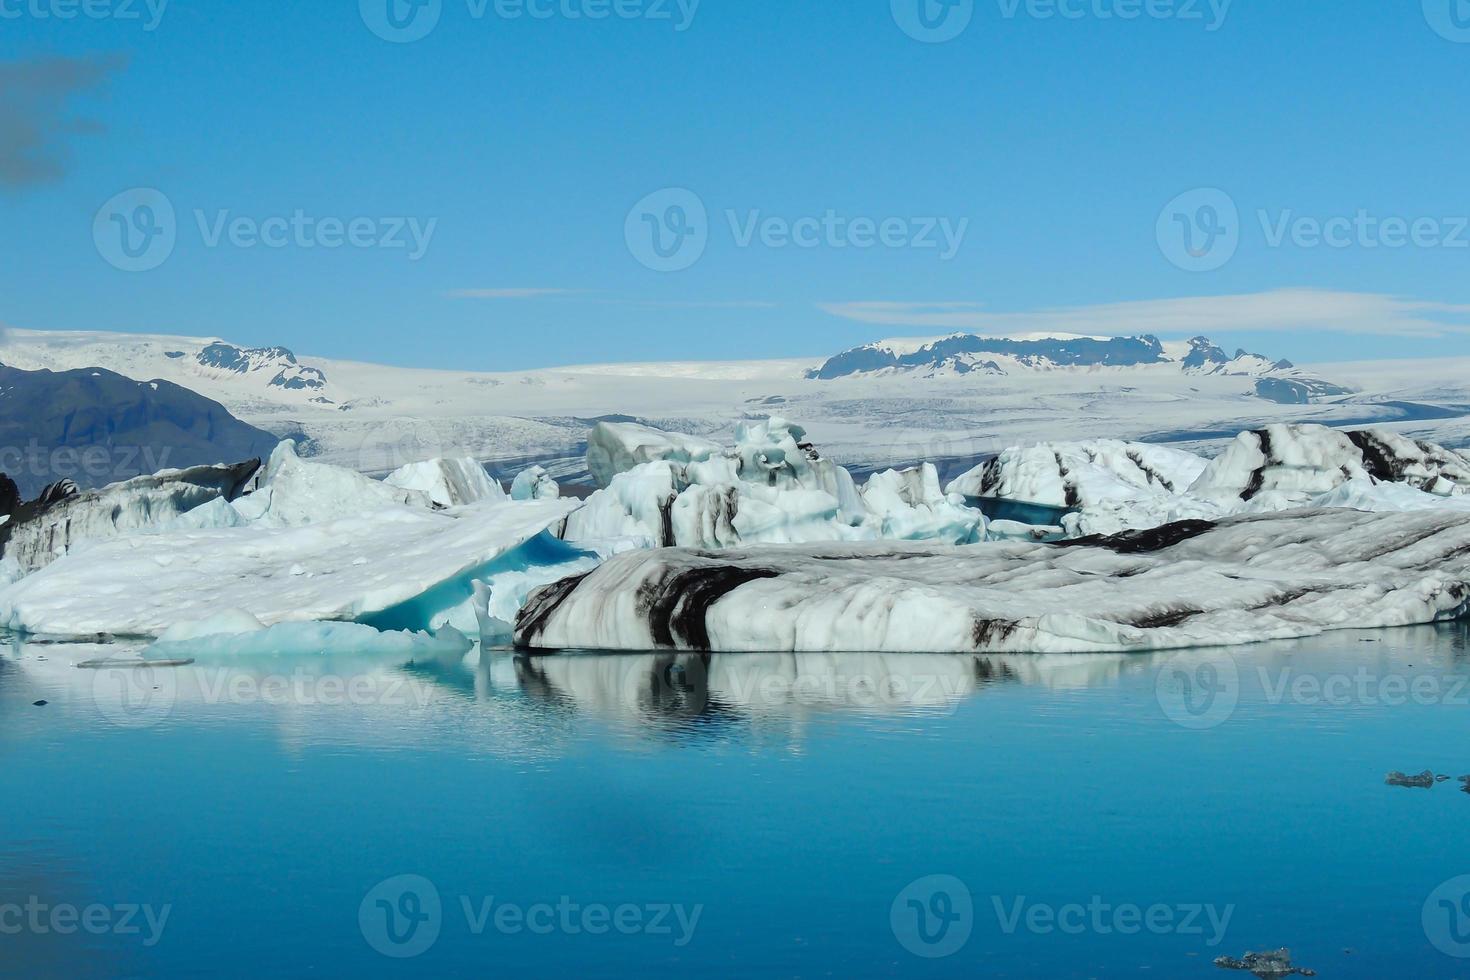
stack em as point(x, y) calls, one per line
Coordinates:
point(494, 187)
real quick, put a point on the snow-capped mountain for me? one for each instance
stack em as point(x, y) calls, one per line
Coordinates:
point(871, 408)
point(94, 427)
point(962, 354)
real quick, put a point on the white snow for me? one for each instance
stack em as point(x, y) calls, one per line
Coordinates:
point(1249, 579)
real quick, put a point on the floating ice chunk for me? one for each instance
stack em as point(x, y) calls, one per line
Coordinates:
point(355, 567)
point(230, 622)
point(1370, 496)
point(297, 640)
point(773, 487)
point(1288, 465)
point(1082, 474)
point(295, 492)
point(40, 531)
point(449, 482)
point(616, 447)
point(534, 484)
point(911, 507)
point(1242, 580)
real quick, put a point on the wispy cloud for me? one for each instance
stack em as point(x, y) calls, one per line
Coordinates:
point(590, 296)
point(514, 292)
point(1282, 310)
point(36, 119)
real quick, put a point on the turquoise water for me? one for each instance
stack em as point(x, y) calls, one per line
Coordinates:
point(732, 816)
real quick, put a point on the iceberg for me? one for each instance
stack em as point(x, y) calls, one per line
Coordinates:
point(448, 482)
point(772, 487)
point(1196, 583)
point(534, 484)
point(616, 447)
point(294, 640)
point(348, 569)
point(38, 532)
point(295, 492)
point(1082, 474)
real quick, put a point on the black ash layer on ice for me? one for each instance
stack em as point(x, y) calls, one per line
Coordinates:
point(1241, 580)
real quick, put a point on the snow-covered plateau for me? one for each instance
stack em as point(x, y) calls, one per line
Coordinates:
point(375, 418)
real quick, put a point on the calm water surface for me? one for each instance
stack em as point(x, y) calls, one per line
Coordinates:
point(811, 816)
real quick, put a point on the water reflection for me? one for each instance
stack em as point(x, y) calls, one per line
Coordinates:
point(514, 705)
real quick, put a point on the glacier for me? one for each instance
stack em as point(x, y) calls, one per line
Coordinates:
point(1196, 583)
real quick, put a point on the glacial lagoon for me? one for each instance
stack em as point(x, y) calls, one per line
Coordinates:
point(723, 815)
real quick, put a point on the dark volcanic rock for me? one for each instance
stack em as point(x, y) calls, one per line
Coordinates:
point(92, 427)
point(1425, 780)
point(1274, 964)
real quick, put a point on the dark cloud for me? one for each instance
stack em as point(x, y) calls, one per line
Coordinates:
point(36, 117)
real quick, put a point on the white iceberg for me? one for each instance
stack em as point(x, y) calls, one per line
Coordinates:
point(295, 492)
point(448, 482)
point(62, 518)
point(351, 569)
point(1243, 580)
point(772, 487)
point(616, 447)
point(297, 640)
point(534, 483)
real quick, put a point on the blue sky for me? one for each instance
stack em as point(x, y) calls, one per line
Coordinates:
point(1066, 155)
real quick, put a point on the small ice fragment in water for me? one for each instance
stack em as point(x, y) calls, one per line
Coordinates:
point(1425, 780)
point(1277, 964)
